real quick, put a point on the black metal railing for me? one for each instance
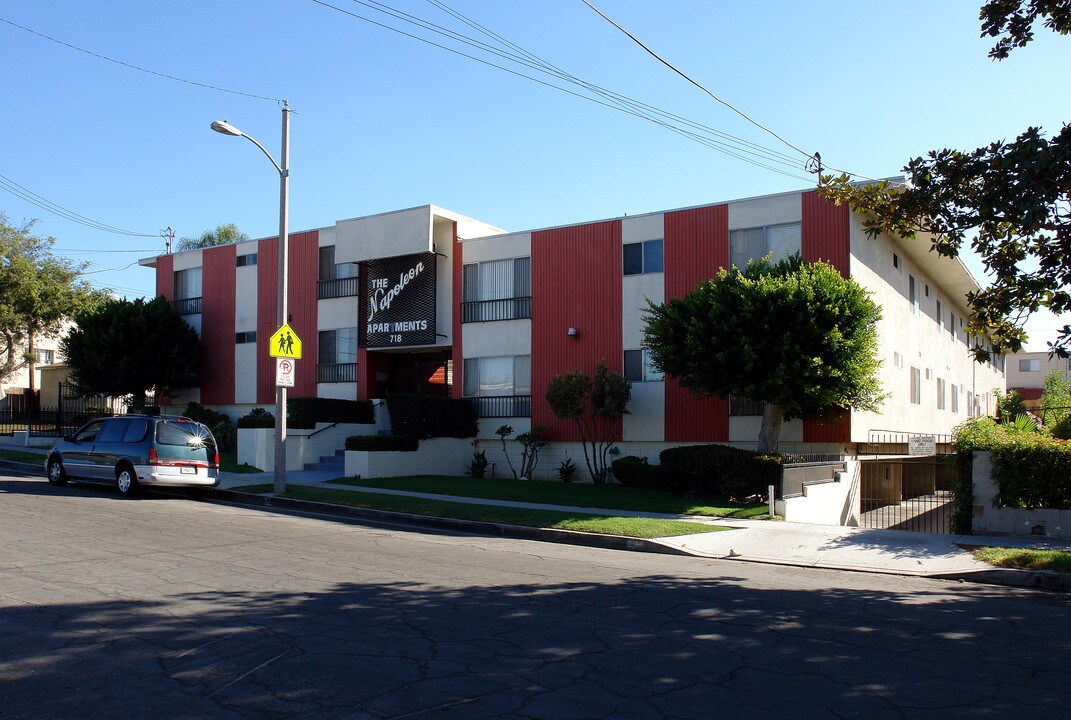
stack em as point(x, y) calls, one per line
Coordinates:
point(187, 306)
point(907, 494)
point(742, 406)
point(502, 406)
point(337, 288)
point(505, 309)
point(336, 373)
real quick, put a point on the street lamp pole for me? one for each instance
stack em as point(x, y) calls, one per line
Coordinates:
point(221, 126)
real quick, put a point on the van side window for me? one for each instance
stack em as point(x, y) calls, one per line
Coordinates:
point(89, 432)
point(176, 433)
point(113, 431)
point(135, 432)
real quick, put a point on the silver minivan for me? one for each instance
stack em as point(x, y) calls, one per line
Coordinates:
point(133, 450)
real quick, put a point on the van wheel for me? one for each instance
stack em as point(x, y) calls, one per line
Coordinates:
point(56, 474)
point(126, 481)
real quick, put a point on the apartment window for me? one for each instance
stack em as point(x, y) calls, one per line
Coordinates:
point(926, 290)
point(897, 359)
point(497, 290)
point(638, 367)
point(952, 324)
point(335, 280)
point(336, 360)
point(940, 317)
point(940, 394)
point(780, 242)
point(913, 294)
point(642, 257)
point(970, 404)
point(916, 386)
point(953, 397)
point(928, 374)
point(244, 260)
point(188, 291)
point(896, 261)
point(44, 357)
point(1030, 365)
point(245, 337)
point(507, 375)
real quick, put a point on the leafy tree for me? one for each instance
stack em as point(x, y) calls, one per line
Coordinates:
point(38, 292)
point(1009, 200)
point(223, 235)
point(127, 348)
point(596, 405)
point(796, 336)
point(1055, 397)
point(1009, 406)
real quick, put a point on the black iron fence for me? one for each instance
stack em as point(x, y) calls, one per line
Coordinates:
point(187, 306)
point(70, 412)
point(337, 288)
point(336, 372)
point(502, 406)
point(907, 494)
point(505, 309)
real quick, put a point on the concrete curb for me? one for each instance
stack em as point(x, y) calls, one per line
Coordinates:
point(521, 532)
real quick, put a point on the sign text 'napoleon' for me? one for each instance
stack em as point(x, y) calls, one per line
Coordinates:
point(399, 301)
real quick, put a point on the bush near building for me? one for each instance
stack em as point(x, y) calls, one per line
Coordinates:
point(431, 416)
point(1031, 468)
point(305, 412)
point(382, 443)
point(721, 471)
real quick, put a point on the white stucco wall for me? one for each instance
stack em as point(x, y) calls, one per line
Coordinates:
point(402, 232)
point(771, 210)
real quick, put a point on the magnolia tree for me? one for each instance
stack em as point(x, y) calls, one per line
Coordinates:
point(1010, 201)
point(596, 405)
point(796, 336)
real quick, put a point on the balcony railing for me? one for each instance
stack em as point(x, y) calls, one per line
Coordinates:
point(339, 287)
point(741, 406)
point(187, 306)
point(502, 406)
point(336, 373)
point(506, 309)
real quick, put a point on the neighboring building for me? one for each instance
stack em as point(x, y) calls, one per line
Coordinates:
point(1027, 371)
point(456, 306)
point(15, 389)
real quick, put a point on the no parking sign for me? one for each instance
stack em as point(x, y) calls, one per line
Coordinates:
point(284, 372)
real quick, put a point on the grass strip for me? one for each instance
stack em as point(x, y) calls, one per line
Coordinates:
point(1025, 558)
point(555, 519)
point(613, 497)
point(22, 456)
point(228, 462)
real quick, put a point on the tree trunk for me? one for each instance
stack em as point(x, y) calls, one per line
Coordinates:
point(770, 432)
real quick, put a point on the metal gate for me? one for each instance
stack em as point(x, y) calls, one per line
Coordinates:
point(72, 411)
point(907, 493)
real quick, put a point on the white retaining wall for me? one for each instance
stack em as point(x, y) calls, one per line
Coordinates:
point(438, 456)
point(1021, 522)
point(830, 503)
point(256, 446)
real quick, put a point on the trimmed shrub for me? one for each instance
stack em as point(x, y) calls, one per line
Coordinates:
point(257, 418)
point(720, 471)
point(431, 416)
point(633, 471)
point(1031, 469)
point(307, 411)
point(382, 443)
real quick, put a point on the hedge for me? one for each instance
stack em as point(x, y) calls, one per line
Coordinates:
point(1031, 468)
point(257, 418)
point(305, 412)
point(382, 443)
point(720, 471)
point(431, 416)
point(633, 471)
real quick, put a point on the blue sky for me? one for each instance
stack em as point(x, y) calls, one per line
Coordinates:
point(383, 121)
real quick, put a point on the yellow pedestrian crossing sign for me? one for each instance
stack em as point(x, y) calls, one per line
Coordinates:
point(285, 344)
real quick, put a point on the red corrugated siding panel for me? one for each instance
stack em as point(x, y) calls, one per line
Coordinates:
point(217, 325)
point(267, 307)
point(165, 276)
point(834, 430)
point(696, 246)
point(576, 282)
point(455, 308)
point(302, 306)
point(824, 234)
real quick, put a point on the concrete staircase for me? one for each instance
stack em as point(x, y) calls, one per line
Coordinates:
point(331, 463)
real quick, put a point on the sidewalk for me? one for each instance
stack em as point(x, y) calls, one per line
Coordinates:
point(784, 543)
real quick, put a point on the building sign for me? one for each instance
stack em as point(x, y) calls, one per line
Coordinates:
point(922, 445)
point(397, 301)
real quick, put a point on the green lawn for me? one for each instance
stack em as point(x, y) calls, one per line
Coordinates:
point(614, 497)
point(1025, 559)
point(581, 522)
point(228, 462)
point(23, 456)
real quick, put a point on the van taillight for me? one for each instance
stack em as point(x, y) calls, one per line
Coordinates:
point(217, 459)
point(153, 459)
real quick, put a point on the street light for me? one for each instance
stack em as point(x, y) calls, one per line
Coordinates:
point(225, 128)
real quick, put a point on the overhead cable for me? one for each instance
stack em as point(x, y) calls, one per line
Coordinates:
point(33, 198)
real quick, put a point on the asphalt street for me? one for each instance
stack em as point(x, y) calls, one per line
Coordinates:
point(170, 608)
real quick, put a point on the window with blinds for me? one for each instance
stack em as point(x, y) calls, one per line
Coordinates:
point(497, 290)
point(780, 242)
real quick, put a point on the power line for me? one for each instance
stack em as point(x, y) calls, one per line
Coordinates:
point(136, 67)
point(33, 198)
point(612, 100)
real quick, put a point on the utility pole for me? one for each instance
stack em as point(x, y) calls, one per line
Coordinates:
point(169, 236)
